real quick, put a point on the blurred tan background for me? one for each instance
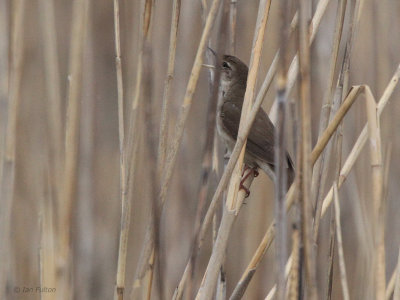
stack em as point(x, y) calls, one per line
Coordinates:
point(97, 206)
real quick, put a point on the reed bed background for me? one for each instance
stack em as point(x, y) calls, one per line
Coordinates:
point(112, 176)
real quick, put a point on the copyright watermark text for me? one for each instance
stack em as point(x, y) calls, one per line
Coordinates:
point(31, 290)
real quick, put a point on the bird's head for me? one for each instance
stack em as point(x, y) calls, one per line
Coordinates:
point(233, 71)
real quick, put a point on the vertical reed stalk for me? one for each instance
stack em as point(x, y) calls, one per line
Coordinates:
point(54, 128)
point(67, 198)
point(7, 171)
point(342, 264)
point(280, 152)
point(305, 144)
point(47, 267)
point(289, 266)
point(131, 151)
point(53, 89)
point(377, 192)
point(126, 207)
point(85, 216)
point(173, 36)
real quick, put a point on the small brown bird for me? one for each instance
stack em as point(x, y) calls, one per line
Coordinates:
point(260, 142)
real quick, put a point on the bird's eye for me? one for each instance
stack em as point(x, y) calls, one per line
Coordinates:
point(225, 65)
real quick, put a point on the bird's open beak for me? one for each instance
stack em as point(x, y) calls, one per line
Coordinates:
point(215, 58)
point(208, 66)
point(212, 51)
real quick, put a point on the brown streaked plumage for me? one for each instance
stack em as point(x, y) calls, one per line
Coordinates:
point(260, 142)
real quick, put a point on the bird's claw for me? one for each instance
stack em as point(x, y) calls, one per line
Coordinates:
point(242, 187)
point(253, 171)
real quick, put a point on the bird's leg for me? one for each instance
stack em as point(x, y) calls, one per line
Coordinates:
point(245, 168)
point(253, 171)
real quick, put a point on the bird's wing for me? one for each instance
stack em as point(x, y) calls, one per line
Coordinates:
point(261, 137)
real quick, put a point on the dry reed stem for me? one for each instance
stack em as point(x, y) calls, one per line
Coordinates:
point(339, 95)
point(47, 265)
point(280, 156)
point(232, 26)
point(162, 145)
point(53, 89)
point(306, 168)
point(362, 139)
point(287, 272)
point(40, 252)
point(274, 65)
point(8, 158)
point(78, 34)
point(146, 17)
point(354, 92)
point(133, 133)
point(386, 175)
point(294, 275)
point(143, 274)
point(55, 127)
point(377, 185)
point(85, 209)
point(209, 281)
point(150, 133)
point(373, 125)
point(318, 178)
point(4, 72)
point(335, 146)
point(342, 264)
point(294, 66)
point(125, 218)
point(332, 229)
point(4, 61)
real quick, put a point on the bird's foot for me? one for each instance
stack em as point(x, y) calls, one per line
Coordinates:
point(245, 175)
